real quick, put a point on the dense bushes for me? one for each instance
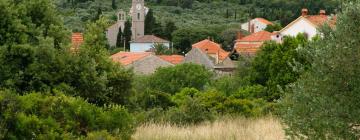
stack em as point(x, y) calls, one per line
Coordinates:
point(173, 79)
point(46, 116)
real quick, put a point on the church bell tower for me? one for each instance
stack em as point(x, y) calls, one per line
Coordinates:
point(138, 18)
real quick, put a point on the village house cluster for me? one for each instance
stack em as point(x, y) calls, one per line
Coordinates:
point(208, 53)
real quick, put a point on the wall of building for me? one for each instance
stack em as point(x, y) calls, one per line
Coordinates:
point(196, 56)
point(258, 26)
point(301, 26)
point(143, 47)
point(148, 65)
point(113, 31)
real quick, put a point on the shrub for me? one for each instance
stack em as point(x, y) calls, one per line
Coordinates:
point(173, 79)
point(246, 107)
point(153, 99)
point(38, 116)
point(191, 112)
point(250, 92)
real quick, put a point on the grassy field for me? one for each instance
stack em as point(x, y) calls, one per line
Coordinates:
point(268, 128)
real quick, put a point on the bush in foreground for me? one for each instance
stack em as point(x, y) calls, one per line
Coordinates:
point(38, 116)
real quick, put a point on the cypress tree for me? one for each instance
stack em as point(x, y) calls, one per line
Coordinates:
point(113, 4)
point(149, 22)
point(127, 34)
point(119, 39)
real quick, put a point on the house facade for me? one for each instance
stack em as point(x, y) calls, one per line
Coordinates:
point(146, 43)
point(305, 24)
point(212, 56)
point(256, 25)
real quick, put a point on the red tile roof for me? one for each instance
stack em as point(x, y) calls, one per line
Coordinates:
point(210, 47)
point(247, 48)
point(174, 59)
point(256, 37)
point(77, 39)
point(150, 39)
point(264, 21)
point(317, 19)
point(127, 58)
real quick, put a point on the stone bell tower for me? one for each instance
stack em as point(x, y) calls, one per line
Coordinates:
point(138, 18)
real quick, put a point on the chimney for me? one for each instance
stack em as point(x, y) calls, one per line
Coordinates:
point(252, 28)
point(304, 12)
point(322, 12)
point(249, 26)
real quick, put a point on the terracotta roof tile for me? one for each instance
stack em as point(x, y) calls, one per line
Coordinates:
point(318, 20)
point(264, 21)
point(150, 39)
point(256, 37)
point(247, 48)
point(77, 39)
point(174, 59)
point(127, 58)
point(210, 47)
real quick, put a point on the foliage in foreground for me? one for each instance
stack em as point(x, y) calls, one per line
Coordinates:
point(324, 102)
point(39, 116)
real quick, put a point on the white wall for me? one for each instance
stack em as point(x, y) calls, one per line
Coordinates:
point(259, 26)
point(143, 47)
point(301, 26)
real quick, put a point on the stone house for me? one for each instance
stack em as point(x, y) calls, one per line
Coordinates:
point(212, 56)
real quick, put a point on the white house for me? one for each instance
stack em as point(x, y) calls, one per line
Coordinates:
point(256, 25)
point(146, 43)
point(307, 24)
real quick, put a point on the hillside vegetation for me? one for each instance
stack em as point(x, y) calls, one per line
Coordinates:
point(50, 91)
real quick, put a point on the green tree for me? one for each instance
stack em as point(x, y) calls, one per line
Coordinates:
point(27, 21)
point(173, 79)
point(120, 39)
point(113, 4)
point(127, 34)
point(323, 103)
point(272, 67)
point(149, 22)
point(169, 28)
point(273, 27)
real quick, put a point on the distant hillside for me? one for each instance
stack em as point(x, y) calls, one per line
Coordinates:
point(196, 13)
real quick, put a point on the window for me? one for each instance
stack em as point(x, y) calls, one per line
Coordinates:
point(138, 16)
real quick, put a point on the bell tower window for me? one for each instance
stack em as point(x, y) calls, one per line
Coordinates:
point(138, 16)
